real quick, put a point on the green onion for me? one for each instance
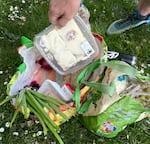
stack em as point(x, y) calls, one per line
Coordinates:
point(40, 119)
point(48, 98)
point(35, 103)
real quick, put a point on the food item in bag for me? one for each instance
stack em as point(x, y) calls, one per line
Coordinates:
point(51, 88)
point(67, 49)
point(40, 75)
point(67, 45)
point(120, 83)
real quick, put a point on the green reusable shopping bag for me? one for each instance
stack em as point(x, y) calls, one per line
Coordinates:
point(105, 111)
point(113, 120)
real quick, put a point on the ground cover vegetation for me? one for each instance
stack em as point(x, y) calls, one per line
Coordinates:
point(21, 17)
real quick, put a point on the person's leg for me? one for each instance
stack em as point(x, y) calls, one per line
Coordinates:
point(140, 16)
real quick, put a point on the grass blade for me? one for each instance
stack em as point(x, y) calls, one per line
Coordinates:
point(7, 99)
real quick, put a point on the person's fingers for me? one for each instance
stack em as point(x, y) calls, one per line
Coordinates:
point(62, 21)
point(54, 14)
point(53, 18)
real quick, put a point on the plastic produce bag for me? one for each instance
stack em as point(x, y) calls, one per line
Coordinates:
point(38, 89)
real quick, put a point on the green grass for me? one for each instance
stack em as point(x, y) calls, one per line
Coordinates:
point(135, 42)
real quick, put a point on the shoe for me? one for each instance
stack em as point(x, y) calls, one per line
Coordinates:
point(132, 21)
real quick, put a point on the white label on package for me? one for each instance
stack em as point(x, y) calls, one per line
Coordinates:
point(87, 48)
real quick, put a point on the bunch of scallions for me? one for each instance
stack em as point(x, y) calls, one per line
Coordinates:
point(29, 101)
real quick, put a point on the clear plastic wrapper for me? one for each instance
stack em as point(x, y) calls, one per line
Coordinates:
point(67, 49)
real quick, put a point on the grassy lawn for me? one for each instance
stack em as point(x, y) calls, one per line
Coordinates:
point(21, 17)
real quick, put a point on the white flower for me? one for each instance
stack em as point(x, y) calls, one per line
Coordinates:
point(15, 133)
point(45, 137)
point(36, 142)
point(5, 83)
point(11, 17)
point(23, 18)
point(34, 135)
point(127, 136)
point(95, 10)
point(2, 129)
point(142, 71)
point(16, 8)
point(26, 132)
point(1, 72)
point(39, 133)
point(37, 122)
point(11, 8)
point(23, 1)
point(1, 138)
point(144, 40)
point(7, 124)
point(143, 65)
point(14, 12)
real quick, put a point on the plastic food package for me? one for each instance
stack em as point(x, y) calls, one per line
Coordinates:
point(51, 88)
point(67, 49)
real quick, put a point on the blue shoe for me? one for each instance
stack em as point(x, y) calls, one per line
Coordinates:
point(130, 22)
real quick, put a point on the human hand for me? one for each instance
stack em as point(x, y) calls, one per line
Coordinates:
point(61, 11)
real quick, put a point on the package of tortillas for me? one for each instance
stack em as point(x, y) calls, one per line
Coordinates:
point(67, 49)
